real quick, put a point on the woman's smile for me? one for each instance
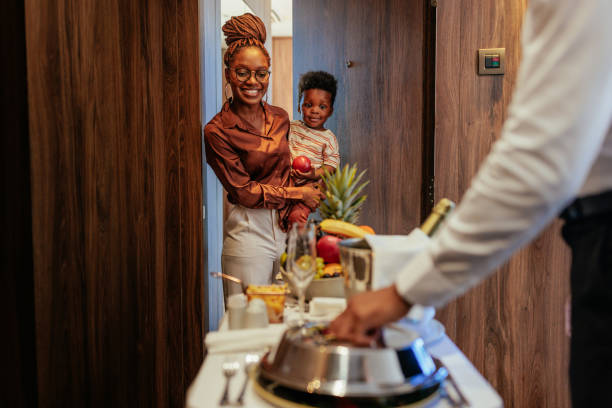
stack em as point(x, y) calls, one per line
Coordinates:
point(252, 92)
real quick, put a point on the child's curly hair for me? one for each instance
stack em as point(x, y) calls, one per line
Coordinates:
point(317, 80)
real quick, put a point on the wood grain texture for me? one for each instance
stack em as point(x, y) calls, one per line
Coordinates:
point(378, 113)
point(190, 176)
point(510, 326)
point(429, 112)
point(117, 200)
point(282, 74)
point(17, 344)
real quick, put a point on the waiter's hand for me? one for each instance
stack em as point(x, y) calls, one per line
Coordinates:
point(312, 195)
point(366, 313)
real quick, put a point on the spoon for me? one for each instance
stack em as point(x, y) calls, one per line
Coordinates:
point(230, 278)
point(244, 287)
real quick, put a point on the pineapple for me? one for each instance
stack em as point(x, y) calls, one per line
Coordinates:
point(343, 201)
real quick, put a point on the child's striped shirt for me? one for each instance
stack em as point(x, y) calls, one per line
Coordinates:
point(320, 146)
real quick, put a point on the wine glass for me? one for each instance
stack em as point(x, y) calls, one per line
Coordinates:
point(301, 261)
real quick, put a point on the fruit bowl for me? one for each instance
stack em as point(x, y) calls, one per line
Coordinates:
point(326, 287)
point(321, 287)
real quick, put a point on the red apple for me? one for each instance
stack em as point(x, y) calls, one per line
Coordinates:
point(302, 164)
point(327, 248)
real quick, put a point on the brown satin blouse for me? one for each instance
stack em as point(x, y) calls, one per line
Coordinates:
point(254, 168)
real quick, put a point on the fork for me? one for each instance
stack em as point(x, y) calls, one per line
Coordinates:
point(250, 360)
point(229, 368)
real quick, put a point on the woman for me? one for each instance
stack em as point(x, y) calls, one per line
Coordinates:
point(246, 146)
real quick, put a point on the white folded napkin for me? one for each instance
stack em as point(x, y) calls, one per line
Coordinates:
point(235, 341)
point(390, 253)
point(326, 306)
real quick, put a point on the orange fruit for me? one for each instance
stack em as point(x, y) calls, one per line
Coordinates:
point(367, 229)
point(332, 268)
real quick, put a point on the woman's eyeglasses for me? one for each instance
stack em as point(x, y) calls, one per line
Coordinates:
point(243, 74)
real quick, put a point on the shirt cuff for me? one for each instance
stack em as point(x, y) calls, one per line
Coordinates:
point(420, 283)
point(293, 193)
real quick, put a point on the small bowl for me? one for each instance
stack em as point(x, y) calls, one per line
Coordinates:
point(273, 296)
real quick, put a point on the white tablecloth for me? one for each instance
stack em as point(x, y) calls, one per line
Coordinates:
point(206, 389)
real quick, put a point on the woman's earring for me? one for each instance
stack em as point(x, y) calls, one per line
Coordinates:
point(228, 97)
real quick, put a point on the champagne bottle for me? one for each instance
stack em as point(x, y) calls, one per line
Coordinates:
point(437, 216)
point(420, 315)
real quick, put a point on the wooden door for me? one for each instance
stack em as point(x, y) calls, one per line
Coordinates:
point(512, 325)
point(375, 50)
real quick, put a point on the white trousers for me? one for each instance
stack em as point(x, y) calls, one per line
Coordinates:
point(252, 246)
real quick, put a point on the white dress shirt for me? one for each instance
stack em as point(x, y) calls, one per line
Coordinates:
point(556, 144)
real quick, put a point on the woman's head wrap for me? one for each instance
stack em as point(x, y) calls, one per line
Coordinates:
point(246, 30)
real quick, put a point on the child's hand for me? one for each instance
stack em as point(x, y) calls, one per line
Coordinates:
point(312, 195)
point(311, 175)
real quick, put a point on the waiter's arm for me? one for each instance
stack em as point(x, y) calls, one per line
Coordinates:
point(560, 114)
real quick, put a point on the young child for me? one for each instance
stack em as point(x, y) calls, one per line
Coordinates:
point(308, 137)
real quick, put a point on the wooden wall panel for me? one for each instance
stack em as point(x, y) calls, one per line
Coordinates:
point(378, 113)
point(117, 200)
point(282, 74)
point(191, 197)
point(511, 326)
point(17, 348)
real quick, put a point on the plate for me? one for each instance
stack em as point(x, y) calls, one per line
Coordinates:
point(285, 397)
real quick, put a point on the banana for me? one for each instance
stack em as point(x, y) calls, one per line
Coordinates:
point(342, 228)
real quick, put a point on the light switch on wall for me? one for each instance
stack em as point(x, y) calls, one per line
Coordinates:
point(491, 61)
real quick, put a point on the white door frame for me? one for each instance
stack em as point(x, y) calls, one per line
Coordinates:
point(211, 98)
point(210, 91)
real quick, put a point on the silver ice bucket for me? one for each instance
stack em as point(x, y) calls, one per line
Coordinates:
point(356, 261)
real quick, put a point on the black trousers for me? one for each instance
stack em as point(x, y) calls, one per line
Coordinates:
point(590, 239)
